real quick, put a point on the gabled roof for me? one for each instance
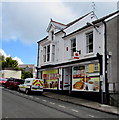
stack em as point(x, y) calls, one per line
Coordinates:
point(42, 39)
point(94, 22)
point(62, 26)
point(105, 17)
point(58, 22)
point(57, 25)
point(71, 23)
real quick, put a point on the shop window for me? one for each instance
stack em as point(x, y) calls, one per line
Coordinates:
point(48, 53)
point(89, 42)
point(53, 52)
point(96, 67)
point(87, 67)
point(73, 46)
point(44, 54)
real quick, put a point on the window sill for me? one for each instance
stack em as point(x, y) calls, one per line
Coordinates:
point(47, 63)
point(88, 54)
point(72, 59)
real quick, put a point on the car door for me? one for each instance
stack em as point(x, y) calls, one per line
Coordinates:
point(22, 87)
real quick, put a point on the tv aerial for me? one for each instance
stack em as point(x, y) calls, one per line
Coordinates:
point(94, 9)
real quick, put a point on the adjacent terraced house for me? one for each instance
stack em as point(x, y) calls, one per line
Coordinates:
point(80, 57)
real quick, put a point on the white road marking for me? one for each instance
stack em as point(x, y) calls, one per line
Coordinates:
point(31, 96)
point(37, 98)
point(90, 115)
point(62, 106)
point(74, 110)
point(45, 100)
point(25, 95)
point(52, 103)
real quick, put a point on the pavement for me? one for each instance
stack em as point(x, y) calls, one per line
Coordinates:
point(83, 102)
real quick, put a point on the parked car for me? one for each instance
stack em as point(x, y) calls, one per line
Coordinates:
point(3, 81)
point(31, 85)
point(13, 83)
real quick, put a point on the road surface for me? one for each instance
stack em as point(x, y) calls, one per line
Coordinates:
point(19, 105)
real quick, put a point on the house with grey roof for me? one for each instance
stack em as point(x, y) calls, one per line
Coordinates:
point(80, 58)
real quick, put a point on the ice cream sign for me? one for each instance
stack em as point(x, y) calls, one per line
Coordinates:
point(76, 55)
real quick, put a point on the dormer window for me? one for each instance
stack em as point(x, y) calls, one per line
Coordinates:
point(52, 35)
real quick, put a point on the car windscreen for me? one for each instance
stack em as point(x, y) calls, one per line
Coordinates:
point(3, 79)
point(27, 81)
point(10, 79)
point(19, 80)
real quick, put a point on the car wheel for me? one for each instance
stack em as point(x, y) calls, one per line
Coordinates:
point(10, 87)
point(18, 89)
point(27, 91)
point(40, 93)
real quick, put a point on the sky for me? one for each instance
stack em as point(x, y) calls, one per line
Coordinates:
point(23, 23)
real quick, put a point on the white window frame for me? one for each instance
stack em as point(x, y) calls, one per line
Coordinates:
point(87, 67)
point(96, 67)
point(72, 52)
point(88, 44)
point(53, 53)
point(48, 53)
point(44, 54)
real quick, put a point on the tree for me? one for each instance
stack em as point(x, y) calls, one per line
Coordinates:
point(26, 74)
point(2, 58)
point(9, 62)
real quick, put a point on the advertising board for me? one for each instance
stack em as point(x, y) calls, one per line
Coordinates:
point(86, 78)
point(50, 78)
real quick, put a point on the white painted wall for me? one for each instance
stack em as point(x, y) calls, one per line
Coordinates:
point(61, 53)
point(98, 45)
point(59, 48)
point(10, 73)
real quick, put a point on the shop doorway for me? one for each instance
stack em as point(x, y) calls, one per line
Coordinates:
point(67, 78)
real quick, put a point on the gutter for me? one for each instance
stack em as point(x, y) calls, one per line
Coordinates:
point(37, 60)
point(106, 79)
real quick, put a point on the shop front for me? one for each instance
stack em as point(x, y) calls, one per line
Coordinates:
point(86, 77)
point(51, 79)
point(80, 78)
point(86, 82)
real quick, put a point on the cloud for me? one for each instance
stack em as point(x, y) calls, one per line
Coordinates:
point(18, 59)
point(2, 52)
point(28, 21)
